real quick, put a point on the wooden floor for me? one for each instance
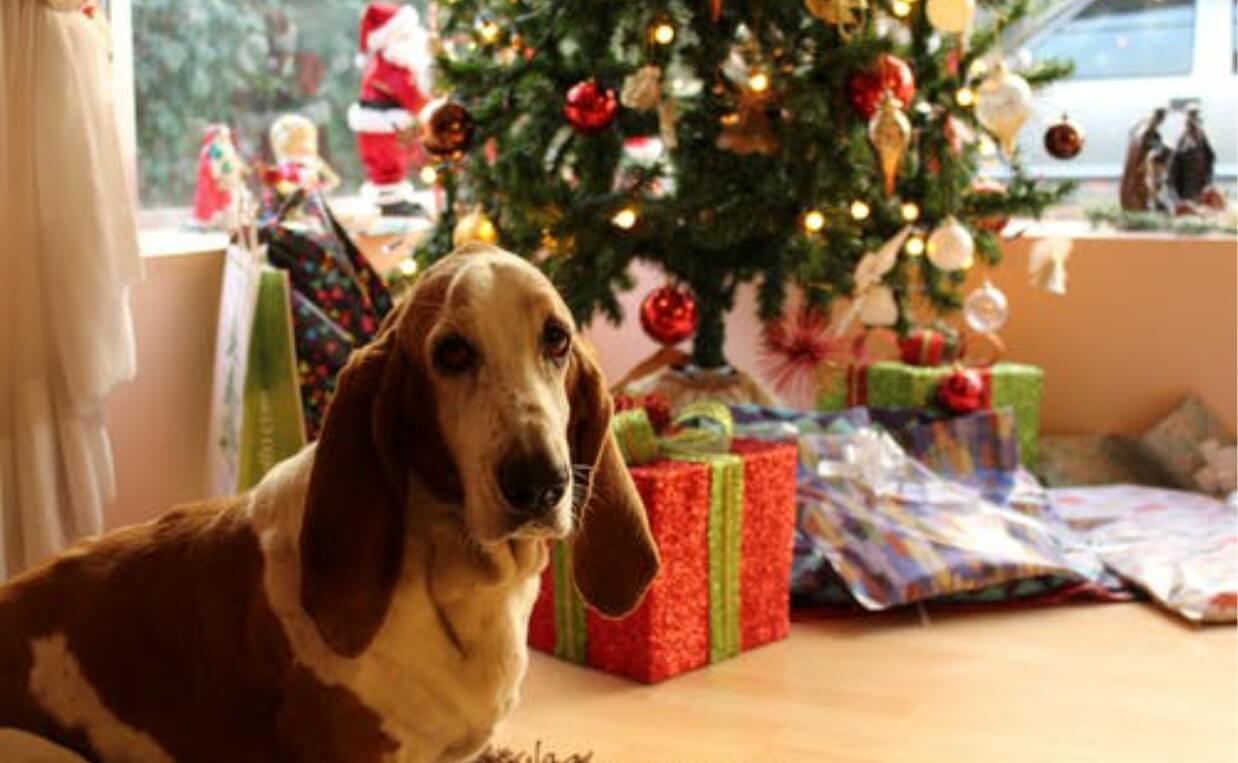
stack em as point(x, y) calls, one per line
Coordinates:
point(1116, 683)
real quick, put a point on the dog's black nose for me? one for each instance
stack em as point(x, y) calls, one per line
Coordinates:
point(532, 483)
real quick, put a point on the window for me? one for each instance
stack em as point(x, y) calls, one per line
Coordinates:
point(241, 63)
point(1125, 38)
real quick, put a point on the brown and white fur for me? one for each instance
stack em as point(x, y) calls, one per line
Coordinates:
point(368, 600)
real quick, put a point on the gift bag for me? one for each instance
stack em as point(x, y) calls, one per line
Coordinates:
point(273, 428)
point(237, 301)
point(255, 412)
point(338, 299)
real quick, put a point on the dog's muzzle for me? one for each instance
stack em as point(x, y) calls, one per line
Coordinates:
point(533, 483)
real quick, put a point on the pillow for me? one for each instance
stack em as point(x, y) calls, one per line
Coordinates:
point(1174, 443)
point(1072, 460)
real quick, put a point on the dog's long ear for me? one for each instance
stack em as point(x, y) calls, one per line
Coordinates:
point(352, 534)
point(614, 558)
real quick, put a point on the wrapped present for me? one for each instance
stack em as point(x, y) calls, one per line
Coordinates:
point(890, 384)
point(963, 524)
point(1177, 546)
point(722, 512)
point(896, 532)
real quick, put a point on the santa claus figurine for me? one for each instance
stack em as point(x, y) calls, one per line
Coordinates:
point(395, 56)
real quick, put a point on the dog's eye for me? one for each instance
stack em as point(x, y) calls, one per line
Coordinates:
point(454, 355)
point(556, 340)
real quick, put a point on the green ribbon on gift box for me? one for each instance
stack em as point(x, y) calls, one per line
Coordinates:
point(700, 433)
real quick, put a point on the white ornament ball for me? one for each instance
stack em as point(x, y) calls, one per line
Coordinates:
point(1003, 104)
point(951, 16)
point(986, 309)
point(950, 247)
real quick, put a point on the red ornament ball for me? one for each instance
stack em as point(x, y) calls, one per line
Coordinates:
point(890, 73)
point(447, 129)
point(963, 391)
point(1064, 139)
point(668, 315)
point(992, 223)
point(589, 107)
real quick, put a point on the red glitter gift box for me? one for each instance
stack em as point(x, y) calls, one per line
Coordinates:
point(723, 587)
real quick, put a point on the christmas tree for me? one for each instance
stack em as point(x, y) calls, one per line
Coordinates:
point(731, 141)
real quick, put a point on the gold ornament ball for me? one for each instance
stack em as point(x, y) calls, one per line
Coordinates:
point(474, 227)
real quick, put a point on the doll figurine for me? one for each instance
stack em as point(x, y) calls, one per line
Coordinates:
point(298, 166)
point(1145, 137)
point(1191, 168)
point(220, 177)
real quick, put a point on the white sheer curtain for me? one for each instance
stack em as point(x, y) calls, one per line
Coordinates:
point(68, 250)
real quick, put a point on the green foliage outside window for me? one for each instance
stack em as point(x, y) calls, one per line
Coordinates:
point(242, 63)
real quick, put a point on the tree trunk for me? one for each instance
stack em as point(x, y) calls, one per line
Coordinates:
point(707, 345)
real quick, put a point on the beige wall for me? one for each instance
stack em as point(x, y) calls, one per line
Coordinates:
point(1145, 320)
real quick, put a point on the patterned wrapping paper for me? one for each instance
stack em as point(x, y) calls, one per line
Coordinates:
point(898, 533)
point(958, 549)
point(889, 384)
point(676, 627)
point(1182, 548)
point(339, 300)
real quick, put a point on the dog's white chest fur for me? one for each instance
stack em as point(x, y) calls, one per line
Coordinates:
point(447, 663)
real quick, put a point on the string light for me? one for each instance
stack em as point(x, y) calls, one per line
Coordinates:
point(860, 210)
point(910, 212)
point(965, 96)
point(428, 175)
point(662, 32)
point(987, 147)
point(489, 31)
point(813, 221)
point(914, 246)
point(624, 219)
point(408, 266)
point(900, 8)
point(758, 81)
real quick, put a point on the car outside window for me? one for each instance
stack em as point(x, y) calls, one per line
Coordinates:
point(1125, 38)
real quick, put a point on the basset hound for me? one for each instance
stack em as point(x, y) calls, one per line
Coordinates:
point(368, 600)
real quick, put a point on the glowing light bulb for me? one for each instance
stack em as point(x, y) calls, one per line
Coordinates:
point(489, 31)
point(662, 33)
point(408, 266)
point(813, 221)
point(624, 219)
point(965, 96)
point(987, 147)
point(428, 175)
point(910, 212)
point(900, 8)
point(758, 81)
point(860, 210)
point(914, 246)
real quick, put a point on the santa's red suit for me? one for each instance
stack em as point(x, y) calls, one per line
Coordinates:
point(394, 48)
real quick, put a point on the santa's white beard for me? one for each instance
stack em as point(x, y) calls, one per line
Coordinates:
point(412, 52)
